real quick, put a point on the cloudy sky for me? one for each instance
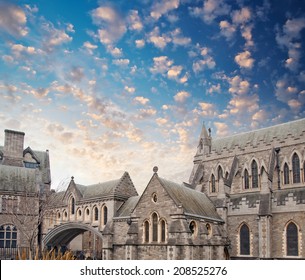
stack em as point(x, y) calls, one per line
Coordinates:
point(114, 86)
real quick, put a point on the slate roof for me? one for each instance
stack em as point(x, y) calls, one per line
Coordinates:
point(16, 179)
point(193, 202)
point(281, 131)
point(128, 206)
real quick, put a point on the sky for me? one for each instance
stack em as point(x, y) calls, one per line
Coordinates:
point(115, 86)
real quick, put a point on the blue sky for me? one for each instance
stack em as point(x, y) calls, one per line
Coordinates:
point(114, 86)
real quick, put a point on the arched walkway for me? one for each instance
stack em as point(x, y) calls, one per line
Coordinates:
point(65, 233)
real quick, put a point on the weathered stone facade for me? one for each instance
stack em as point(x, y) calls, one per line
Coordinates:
point(24, 181)
point(257, 179)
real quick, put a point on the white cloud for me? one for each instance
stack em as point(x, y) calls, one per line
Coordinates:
point(244, 60)
point(174, 72)
point(134, 21)
point(12, 19)
point(222, 129)
point(159, 41)
point(141, 100)
point(161, 65)
point(239, 86)
point(130, 89)
point(163, 7)
point(121, 62)
point(207, 109)
point(207, 61)
point(211, 10)
point(227, 30)
point(241, 16)
point(181, 96)
point(140, 43)
point(112, 26)
point(89, 47)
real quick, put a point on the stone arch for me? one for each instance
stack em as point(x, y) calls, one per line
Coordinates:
point(63, 234)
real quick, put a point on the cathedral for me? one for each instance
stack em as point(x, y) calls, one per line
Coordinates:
point(245, 199)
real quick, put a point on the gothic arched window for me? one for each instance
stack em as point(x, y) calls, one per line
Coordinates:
point(292, 240)
point(154, 227)
point(246, 179)
point(163, 231)
point(296, 169)
point(286, 174)
point(95, 214)
point(244, 238)
point(254, 174)
point(146, 231)
point(105, 215)
point(219, 172)
point(213, 185)
point(72, 205)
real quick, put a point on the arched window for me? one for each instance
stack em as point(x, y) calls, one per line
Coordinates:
point(146, 231)
point(292, 240)
point(286, 174)
point(154, 227)
point(296, 169)
point(246, 179)
point(72, 205)
point(213, 186)
point(244, 238)
point(163, 231)
point(95, 214)
point(219, 172)
point(105, 215)
point(8, 236)
point(254, 174)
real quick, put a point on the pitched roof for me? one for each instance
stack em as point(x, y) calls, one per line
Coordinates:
point(128, 206)
point(193, 202)
point(280, 132)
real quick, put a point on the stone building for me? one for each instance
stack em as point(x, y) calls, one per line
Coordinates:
point(256, 181)
point(24, 180)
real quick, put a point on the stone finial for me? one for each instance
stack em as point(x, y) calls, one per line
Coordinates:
point(72, 178)
point(155, 169)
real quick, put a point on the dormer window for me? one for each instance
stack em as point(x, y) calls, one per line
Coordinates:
point(32, 165)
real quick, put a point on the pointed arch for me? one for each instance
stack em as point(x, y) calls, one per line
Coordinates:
point(213, 184)
point(246, 179)
point(72, 205)
point(219, 172)
point(292, 239)
point(286, 173)
point(105, 214)
point(95, 214)
point(244, 240)
point(154, 218)
point(296, 174)
point(146, 231)
point(162, 230)
point(254, 173)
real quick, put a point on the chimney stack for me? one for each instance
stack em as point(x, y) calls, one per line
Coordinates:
point(13, 148)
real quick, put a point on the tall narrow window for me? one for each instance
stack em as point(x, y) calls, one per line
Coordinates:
point(254, 174)
point(72, 205)
point(95, 214)
point(219, 172)
point(292, 240)
point(246, 179)
point(105, 215)
point(154, 227)
point(146, 231)
point(296, 169)
point(213, 185)
point(244, 237)
point(163, 231)
point(286, 174)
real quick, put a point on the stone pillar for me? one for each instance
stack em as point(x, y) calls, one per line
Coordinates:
point(13, 148)
point(264, 228)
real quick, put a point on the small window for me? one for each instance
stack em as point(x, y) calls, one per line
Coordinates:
point(254, 170)
point(219, 172)
point(286, 174)
point(296, 169)
point(105, 215)
point(209, 229)
point(292, 240)
point(244, 238)
point(246, 179)
point(95, 214)
point(163, 230)
point(154, 198)
point(8, 236)
point(193, 227)
point(146, 231)
point(72, 205)
point(213, 185)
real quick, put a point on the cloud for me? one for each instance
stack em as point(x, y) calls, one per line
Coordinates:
point(227, 30)
point(178, 39)
point(54, 37)
point(134, 21)
point(211, 10)
point(89, 47)
point(140, 43)
point(161, 65)
point(12, 19)
point(244, 60)
point(207, 61)
point(76, 74)
point(130, 89)
point(112, 26)
point(242, 16)
point(161, 121)
point(181, 96)
point(141, 100)
point(222, 129)
point(163, 7)
point(121, 62)
point(207, 109)
point(239, 86)
point(288, 38)
point(159, 41)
